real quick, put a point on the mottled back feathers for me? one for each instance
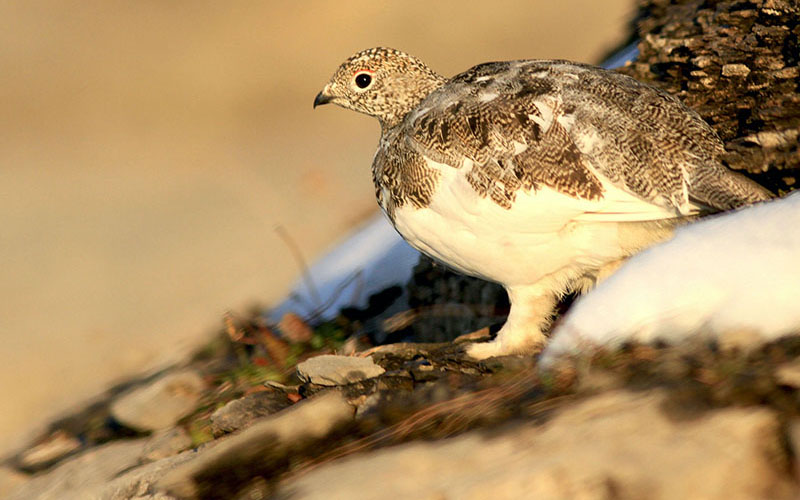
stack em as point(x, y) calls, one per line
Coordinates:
point(521, 125)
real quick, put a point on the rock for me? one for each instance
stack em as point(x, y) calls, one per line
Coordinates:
point(241, 412)
point(482, 335)
point(740, 70)
point(793, 435)
point(352, 345)
point(10, 479)
point(137, 483)
point(448, 304)
point(746, 86)
point(166, 443)
point(616, 445)
point(260, 449)
point(746, 339)
point(789, 374)
point(368, 404)
point(423, 371)
point(89, 469)
point(161, 403)
point(57, 446)
point(330, 370)
point(272, 384)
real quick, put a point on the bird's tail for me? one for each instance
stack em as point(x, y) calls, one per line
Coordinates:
point(722, 189)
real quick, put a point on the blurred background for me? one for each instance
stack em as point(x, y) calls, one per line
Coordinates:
point(149, 149)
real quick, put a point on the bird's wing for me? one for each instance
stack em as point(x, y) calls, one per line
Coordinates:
point(629, 151)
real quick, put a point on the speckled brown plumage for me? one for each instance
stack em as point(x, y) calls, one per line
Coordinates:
point(524, 124)
point(401, 176)
point(648, 142)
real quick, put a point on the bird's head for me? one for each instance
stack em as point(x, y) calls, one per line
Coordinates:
point(381, 82)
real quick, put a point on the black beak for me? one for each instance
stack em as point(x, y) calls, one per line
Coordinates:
point(321, 99)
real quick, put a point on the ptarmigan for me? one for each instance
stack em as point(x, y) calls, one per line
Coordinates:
point(540, 175)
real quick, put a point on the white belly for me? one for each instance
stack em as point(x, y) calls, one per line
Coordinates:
point(539, 235)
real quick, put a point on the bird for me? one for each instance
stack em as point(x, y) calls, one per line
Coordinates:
point(540, 175)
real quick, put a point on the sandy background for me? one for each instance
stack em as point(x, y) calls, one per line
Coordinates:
point(148, 149)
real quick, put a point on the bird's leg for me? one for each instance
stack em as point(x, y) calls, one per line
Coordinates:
point(531, 312)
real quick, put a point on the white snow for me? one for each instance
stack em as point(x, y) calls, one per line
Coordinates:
point(736, 272)
point(372, 258)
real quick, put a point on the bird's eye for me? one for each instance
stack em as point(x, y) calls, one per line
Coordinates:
point(363, 80)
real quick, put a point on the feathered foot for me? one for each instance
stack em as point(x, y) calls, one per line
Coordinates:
point(531, 311)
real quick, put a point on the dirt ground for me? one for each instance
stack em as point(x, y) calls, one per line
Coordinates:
point(148, 150)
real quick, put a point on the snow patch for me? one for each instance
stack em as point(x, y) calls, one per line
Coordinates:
point(371, 259)
point(735, 272)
